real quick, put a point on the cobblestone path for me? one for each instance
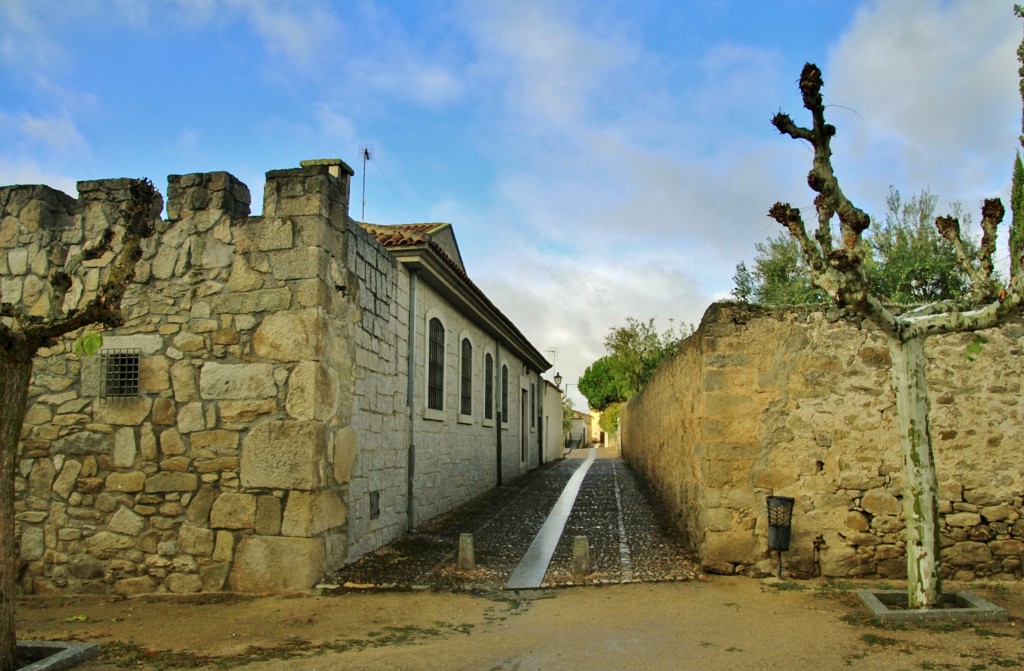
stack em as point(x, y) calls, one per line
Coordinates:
point(629, 537)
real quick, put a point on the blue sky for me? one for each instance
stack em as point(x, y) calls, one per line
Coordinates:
point(599, 159)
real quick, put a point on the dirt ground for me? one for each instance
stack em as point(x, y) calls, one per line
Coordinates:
point(718, 623)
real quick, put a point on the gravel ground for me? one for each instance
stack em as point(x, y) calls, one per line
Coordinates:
point(629, 538)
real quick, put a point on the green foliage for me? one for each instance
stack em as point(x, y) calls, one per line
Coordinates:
point(88, 344)
point(911, 263)
point(780, 275)
point(908, 261)
point(567, 415)
point(609, 421)
point(1017, 207)
point(634, 352)
point(600, 384)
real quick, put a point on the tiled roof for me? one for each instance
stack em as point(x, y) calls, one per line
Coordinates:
point(402, 234)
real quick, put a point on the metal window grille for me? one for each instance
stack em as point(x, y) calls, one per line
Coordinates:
point(488, 387)
point(467, 377)
point(435, 367)
point(120, 373)
point(504, 393)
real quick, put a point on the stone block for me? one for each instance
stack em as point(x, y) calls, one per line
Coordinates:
point(345, 450)
point(106, 544)
point(237, 381)
point(962, 519)
point(65, 481)
point(274, 564)
point(311, 513)
point(126, 522)
point(84, 443)
point(967, 553)
point(283, 455)
point(184, 583)
point(263, 235)
point(154, 374)
point(217, 440)
point(299, 263)
point(878, 501)
point(166, 481)
point(124, 451)
point(999, 513)
point(310, 392)
point(224, 549)
point(246, 411)
point(292, 336)
point(268, 516)
point(128, 412)
point(135, 586)
point(183, 380)
point(126, 482)
point(195, 540)
point(233, 511)
point(33, 543)
point(171, 443)
point(198, 512)
point(214, 576)
point(190, 418)
point(164, 412)
point(735, 547)
point(1010, 546)
point(249, 302)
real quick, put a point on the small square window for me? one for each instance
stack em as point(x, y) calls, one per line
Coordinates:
point(120, 373)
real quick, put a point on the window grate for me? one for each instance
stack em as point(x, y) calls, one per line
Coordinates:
point(435, 366)
point(120, 373)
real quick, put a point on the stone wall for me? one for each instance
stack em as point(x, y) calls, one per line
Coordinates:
point(797, 403)
point(270, 439)
point(225, 471)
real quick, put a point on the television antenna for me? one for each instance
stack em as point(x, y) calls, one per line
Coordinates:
point(367, 152)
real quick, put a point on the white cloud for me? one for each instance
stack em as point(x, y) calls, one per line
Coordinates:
point(304, 34)
point(933, 90)
point(17, 170)
point(57, 133)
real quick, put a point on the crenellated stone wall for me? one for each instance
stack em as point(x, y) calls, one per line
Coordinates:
point(273, 438)
point(799, 403)
point(232, 468)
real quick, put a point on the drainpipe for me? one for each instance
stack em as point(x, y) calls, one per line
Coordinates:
point(539, 409)
point(410, 506)
point(497, 402)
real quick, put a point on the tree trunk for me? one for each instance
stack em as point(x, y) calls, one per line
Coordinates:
point(15, 373)
point(920, 486)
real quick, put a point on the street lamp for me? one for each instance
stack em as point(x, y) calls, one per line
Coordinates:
point(558, 380)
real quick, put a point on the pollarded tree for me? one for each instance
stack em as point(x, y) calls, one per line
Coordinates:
point(23, 334)
point(838, 267)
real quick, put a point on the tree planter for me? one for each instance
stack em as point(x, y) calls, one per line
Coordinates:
point(53, 655)
point(962, 606)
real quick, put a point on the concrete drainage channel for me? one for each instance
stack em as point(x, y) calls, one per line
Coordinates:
point(54, 655)
point(962, 606)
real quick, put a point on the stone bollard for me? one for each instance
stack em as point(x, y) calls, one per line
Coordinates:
point(580, 556)
point(467, 558)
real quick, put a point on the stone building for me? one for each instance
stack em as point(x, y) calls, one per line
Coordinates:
point(795, 402)
point(289, 391)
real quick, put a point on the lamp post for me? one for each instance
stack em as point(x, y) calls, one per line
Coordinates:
point(558, 380)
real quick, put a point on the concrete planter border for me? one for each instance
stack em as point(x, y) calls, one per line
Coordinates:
point(962, 606)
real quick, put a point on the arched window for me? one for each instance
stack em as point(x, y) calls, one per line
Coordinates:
point(435, 366)
point(504, 393)
point(488, 386)
point(533, 405)
point(466, 395)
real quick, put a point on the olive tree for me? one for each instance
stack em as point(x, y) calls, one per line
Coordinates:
point(23, 334)
point(838, 268)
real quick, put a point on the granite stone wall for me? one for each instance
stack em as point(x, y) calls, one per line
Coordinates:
point(230, 469)
point(798, 403)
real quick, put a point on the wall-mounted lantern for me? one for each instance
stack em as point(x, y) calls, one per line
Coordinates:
point(558, 380)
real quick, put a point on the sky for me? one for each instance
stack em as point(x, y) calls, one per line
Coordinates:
point(598, 159)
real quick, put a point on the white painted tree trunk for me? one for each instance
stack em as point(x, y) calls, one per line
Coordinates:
point(920, 485)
